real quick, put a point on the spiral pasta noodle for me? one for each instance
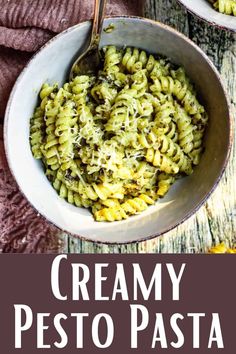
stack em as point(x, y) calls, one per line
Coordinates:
point(117, 211)
point(65, 130)
point(37, 133)
point(112, 59)
point(117, 142)
point(180, 90)
point(50, 148)
point(164, 183)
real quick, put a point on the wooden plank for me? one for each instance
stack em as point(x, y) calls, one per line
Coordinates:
point(216, 220)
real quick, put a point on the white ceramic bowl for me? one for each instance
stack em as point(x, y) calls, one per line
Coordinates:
point(52, 64)
point(205, 10)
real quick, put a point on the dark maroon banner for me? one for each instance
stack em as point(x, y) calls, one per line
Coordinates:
point(118, 304)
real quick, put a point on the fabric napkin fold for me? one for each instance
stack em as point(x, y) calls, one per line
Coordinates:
point(25, 25)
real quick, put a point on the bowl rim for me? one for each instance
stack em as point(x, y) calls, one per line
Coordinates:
point(199, 204)
point(207, 20)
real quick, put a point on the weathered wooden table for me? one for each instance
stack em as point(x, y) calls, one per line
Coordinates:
point(216, 220)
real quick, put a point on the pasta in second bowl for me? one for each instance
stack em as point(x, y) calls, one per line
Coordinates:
point(219, 13)
point(184, 197)
point(227, 7)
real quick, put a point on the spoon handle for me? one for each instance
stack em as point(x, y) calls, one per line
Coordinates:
point(99, 14)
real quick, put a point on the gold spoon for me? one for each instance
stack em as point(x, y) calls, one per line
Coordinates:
point(88, 62)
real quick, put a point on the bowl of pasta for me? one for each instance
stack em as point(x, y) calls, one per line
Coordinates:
point(221, 13)
point(129, 153)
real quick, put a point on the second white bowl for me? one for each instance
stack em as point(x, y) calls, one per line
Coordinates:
point(205, 10)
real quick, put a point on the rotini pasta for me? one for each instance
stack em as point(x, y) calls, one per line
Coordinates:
point(116, 211)
point(37, 133)
point(117, 142)
point(164, 183)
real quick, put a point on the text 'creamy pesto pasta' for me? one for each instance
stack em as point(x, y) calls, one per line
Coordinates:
point(117, 142)
point(227, 7)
